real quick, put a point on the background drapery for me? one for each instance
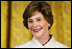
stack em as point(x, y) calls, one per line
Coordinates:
point(14, 33)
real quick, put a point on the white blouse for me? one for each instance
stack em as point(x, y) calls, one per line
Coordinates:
point(35, 44)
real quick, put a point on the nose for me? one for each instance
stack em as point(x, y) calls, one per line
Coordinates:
point(35, 24)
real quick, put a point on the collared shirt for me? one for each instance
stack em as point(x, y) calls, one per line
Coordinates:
point(35, 44)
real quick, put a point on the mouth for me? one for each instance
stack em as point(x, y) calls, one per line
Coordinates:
point(37, 29)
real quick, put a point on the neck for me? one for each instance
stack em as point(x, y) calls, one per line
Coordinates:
point(43, 39)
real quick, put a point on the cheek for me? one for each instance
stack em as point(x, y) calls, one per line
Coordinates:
point(44, 24)
point(29, 26)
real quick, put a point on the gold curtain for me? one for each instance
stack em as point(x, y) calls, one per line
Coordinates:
point(4, 7)
point(61, 29)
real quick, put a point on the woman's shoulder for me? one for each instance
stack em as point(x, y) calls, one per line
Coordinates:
point(24, 45)
point(60, 45)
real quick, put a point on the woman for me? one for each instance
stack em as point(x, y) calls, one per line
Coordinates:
point(38, 19)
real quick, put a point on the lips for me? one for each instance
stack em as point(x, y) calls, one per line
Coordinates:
point(37, 30)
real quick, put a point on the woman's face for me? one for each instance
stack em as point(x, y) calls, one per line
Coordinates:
point(37, 25)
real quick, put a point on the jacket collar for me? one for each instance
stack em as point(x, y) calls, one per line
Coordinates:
point(47, 45)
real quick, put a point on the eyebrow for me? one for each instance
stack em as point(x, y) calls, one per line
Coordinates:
point(36, 18)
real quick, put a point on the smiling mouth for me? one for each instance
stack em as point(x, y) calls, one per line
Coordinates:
point(37, 30)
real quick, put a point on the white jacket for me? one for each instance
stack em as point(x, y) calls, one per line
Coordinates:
point(35, 44)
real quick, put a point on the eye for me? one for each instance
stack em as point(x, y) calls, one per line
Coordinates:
point(30, 21)
point(39, 20)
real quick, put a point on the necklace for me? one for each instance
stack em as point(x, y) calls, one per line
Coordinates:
point(47, 41)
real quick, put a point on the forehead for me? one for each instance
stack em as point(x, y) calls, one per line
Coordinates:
point(36, 14)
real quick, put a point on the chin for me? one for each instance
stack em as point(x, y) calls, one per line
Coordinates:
point(38, 36)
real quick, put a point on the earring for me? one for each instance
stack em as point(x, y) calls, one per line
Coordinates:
point(49, 25)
